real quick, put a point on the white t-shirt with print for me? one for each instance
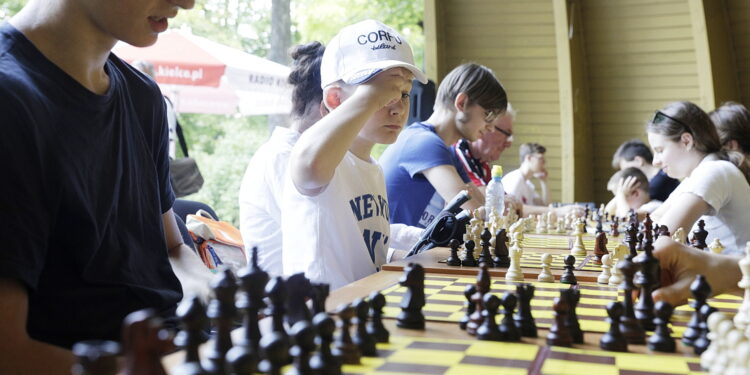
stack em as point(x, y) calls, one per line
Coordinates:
point(342, 234)
point(521, 188)
point(261, 192)
point(724, 188)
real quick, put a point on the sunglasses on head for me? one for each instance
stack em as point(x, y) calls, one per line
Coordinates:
point(490, 115)
point(660, 117)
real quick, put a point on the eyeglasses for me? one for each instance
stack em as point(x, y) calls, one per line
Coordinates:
point(507, 133)
point(660, 117)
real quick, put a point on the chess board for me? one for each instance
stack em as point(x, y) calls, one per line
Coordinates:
point(556, 241)
point(533, 259)
point(445, 302)
point(407, 355)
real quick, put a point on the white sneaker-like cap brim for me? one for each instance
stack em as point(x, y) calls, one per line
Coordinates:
point(368, 71)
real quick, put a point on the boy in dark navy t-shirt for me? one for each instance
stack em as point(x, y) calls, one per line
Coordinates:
point(87, 226)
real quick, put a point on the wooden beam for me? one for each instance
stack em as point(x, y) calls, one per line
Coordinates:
point(717, 70)
point(577, 174)
point(434, 38)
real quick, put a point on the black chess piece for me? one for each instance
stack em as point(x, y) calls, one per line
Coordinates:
point(574, 326)
point(662, 340)
point(469, 305)
point(344, 347)
point(303, 336)
point(320, 293)
point(614, 340)
point(701, 290)
point(299, 289)
point(647, 279)
point(364, 341)
point(664, 231)
point(324, 362)
point(482, 287)
point(411, 316)
point(221, 311)
point(453, 259)
point(144, 342)
point(508, 329)
point(559, 333)
point(244, 356)
point(469, 260)
point(501, 258)
point(193, 321)
point(568, 277)
point(276, 292)
point(485, 256)
point(375, 326)
point(699, 236)
point(96, 357)
point(488, 330)
point(702, 342)
point(599, 224)
point(631, 238)
point(274, 348)
point(523, 318)
point(615, 229)
point(600, 247)
point(629, 326)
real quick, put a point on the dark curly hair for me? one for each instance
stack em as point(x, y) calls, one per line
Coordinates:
point(305, 77)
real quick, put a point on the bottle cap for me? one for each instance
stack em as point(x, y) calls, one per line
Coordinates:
point(497, 171)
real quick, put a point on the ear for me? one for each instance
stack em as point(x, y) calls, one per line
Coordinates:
point(333, 96)
point(641, 161)
point(323, 109)
point(461, 102)
point(687, 140)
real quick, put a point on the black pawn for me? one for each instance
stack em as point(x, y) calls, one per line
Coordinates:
point(508, 329)
point(96, 357)
point(411, 316)
point(559, 333)
point(661, 340)
point(501, 258)
point(303, 335)
point(362, 338)
point(630, 326)
point(469, 260)
point(319, 296)
point(193, 321)
point(568, 277)
point(299, 289)
point(324, 362)
point(469, 305)
point(344, 347)
point(453, 259)
point(702, 342)
point(573, 296)
point(701, 290)
point(485, 256)
point(222, 312)
point(375, 326)
point(614, 340)
point(274, 348)
point(488, 330)
point(523, 319)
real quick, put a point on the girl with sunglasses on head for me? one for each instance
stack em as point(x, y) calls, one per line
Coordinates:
point(714, 187)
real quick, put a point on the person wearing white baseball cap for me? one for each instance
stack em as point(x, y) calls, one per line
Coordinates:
point(335, 221)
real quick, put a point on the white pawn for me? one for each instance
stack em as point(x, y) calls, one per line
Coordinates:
point(560, 225)
point(741, 358)
point(616, 278)
point(716, 246)
point(541, 224)
point(708, 356)
point(680, 236)
point(546, 275)
point(606, 266)
point(742, 319)
point(727, 338)
point(578, 250)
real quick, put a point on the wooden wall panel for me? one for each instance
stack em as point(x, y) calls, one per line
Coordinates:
point(739, 21)
point(640, 56)
point(516, 39)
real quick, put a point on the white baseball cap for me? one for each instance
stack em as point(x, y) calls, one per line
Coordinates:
point(361, 51)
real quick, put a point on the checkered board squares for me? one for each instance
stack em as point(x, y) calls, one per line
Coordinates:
point(533, 259)
point(445, 302)
point(406, 355)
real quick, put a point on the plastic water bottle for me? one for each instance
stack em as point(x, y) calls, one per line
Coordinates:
point(495, 193)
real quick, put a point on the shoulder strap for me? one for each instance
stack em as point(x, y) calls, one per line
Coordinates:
point(178, 130)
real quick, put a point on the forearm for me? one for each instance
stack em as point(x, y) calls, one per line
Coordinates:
point(403, 237)
point(23, 357)
point(321, 148)
point(545, 192)
point(723, 274)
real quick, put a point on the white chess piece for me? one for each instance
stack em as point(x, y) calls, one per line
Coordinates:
point(514, 272)
point(716, 246)
point(742, 319)
point(713, 322)
point(560, 225)
point(546, 275)
point(616, 278)
point(727, 338)
point(541, 224)
point(680, 236)
point(740, 358)
point(578, 250)
point(606, 266)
